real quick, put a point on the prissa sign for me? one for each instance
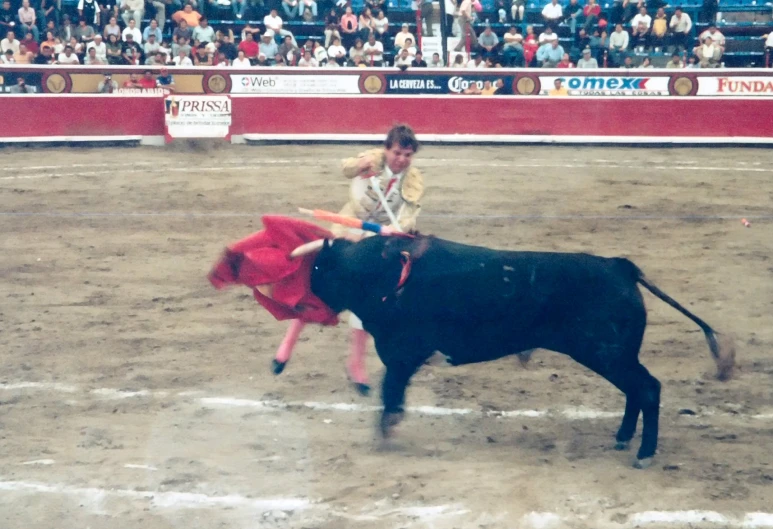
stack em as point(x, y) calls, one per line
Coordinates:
point(221, 106)
point(197, 116)
point(609, 86)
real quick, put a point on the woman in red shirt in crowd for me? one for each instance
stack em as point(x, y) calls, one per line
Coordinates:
point(530, 45)
point(591, 13)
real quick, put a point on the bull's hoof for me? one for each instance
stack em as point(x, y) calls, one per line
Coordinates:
point(388, 421)
point(362, 389)
point(622, 445)
point(277, 366)
point(643, 463)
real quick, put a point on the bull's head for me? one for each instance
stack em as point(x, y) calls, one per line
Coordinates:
point(358, 276)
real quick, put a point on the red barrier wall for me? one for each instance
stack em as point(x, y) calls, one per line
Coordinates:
point(442, 118)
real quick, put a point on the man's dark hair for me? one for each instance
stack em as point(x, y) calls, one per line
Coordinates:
point(403, 136)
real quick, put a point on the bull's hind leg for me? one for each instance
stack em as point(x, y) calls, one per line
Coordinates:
point(628, 426)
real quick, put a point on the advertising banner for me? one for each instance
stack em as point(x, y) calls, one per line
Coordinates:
point(746, 86)
point(197, 117)
point(294, 84)
point(596, 85)
point(472, 83)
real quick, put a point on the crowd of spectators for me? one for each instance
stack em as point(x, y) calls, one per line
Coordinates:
point(136, 32)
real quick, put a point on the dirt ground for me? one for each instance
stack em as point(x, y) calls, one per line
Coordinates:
point(134, 395)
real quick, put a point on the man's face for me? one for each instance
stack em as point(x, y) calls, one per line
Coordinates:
point(6, 5)
point(554, 44)
point(133, 78)
point(153, 24)
point(398, 159)
point(557, 83)
point(132, 23)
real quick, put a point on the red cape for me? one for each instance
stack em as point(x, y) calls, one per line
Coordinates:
point(263, 258)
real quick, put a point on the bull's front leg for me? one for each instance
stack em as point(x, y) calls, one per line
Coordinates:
point(396, 379)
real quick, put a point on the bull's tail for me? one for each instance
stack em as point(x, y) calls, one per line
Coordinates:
point(721, 346)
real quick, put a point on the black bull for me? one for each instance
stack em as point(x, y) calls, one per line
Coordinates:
point(422, 295)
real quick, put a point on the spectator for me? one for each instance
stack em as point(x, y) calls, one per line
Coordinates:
point(768, 43)
point(241, 61)
point(289, 49)
point(99, 47)
point(307, 61)
point(219, 8)
point(435, 61)
point(512, 50)
point(403, 59)
point(107, 85)
point(692, 62)
point(78, 48)
point(377, 5)
point(151, 46)
point(331, 27)
point(591, 13)
point(7, 58)
point(165, 81)
point(547, 36)
point(708, 53)
point(187, 14)
point(204, 32)
point(337, 53)
point(552, 14)
point(489, 41)
point(30, 43)
point(530, 45)
point(147, 80)
point(274, 22)
point(28, 19)
point(628, 63)
point(114, 50)
point(132, 30)
point(24, 56)
point(565, 62)
point(641, 18)
point(716, 37)
point(131, 50)
point(365, 24)
point(239, 8)
point(680, 27)
point(68, 56)
point(267, 45)
point(659, 29)
point(358, 50)
point(550, 54)
point(465, 26)
point(89, 11)
point(49, 42)
point(319, 53)
point(181, 45)
point(587, 60)
point(476, 62)
point(458, 61)
point(66, 31)
point(184, 31)
point(675, 62)
point(618, 44)
point(418, 61)
point(348, 27)
point(182, 59)
point(227, 46)
point(408, 45)
point(381, 28)
point(203, 57)
point(84, 33)
point(290, 8)
point(249, 47)
point(425, 6)
point(132, 82)
point(46, 56)
point(7, 19)
point(646, 63)
point(153, 29)
point(112, 28)
point(573, 14)
point(157, 59)
point(133, 9)
point(558, 89)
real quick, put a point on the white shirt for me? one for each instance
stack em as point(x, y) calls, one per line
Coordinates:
point(708, 51)
point(64, 59)
point(241, 63)
point(381, 24)
point(377, 46)
point(769, 41)
point(6, 45)
point(547, 37)
point(136, 33)
point(401, 61)
point(552, 11)
point(334, 50)
point(274, 23)
point(362, 191)
point(101, 50)
point(320, 54)
point(646, 20)
point(716, 37)
point(471, 64)
point(682, 24)
point(510, 38)
point(185, 61)
point(311, 63)
point(400, 39)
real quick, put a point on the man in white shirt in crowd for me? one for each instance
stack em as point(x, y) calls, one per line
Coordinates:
point(28, 20)
point(618, 44)
point(274, 22)
point(92, 59)
point(552, 14)
point(131, 29)
point(67, 57)
point(403, 59)
point(716, 36)
point(641, 18)
point(587, 61)
point(401, 37)
point(708, 53)
point(9, 43)
point(153, 29)
point(241, 61)
point(547, 36)
point(374, 51)
point(133, 9)
point(7, 58)
point(408, 45)
point(151, 45)
point(182, 59)
point(680, 26)
point(307, 61)
point(435, 61)
point(204, 32)
point(337, 53)
point(476, 62)
point(99, 47)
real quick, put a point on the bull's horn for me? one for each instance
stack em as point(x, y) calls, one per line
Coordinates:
point(309, 247)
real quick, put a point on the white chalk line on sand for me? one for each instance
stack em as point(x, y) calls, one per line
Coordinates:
point(174, 500)
point(567, 413)
point(255, 165)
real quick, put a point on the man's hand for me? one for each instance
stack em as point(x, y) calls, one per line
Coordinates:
point(365, 165)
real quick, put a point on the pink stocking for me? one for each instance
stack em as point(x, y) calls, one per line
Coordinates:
point(288, 343)
point(356, 363)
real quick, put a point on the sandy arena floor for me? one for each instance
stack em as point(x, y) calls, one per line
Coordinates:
point(135, 396)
